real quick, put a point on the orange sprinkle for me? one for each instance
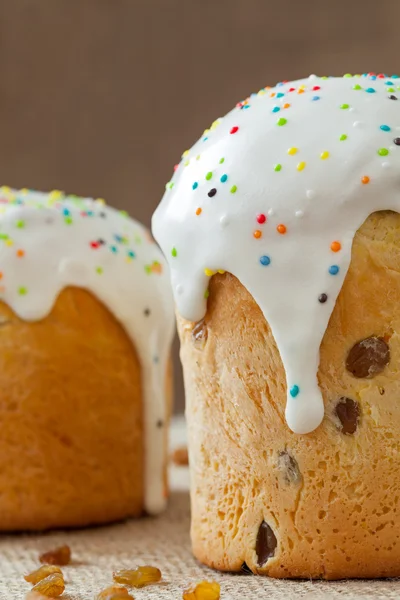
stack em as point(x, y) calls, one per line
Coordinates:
point(20, 253)
point(287, 105)
point(257, 234)
point(300, 91)
point(1, 275)
point(272, 95)
point(336, 246)
point(281, 229)
point(198, 211)
point(365, 179)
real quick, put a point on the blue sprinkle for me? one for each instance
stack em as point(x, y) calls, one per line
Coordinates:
point(334, 270)
point(114, 249)
point(294, 391)
point(224, 178)
point(370, 90)
point(280, 84)
point(276, 109)
point(246, 106)
point(66, 212)
point(195, 185)
point(389, 83)
point(131, 254)
point(118, 238)
point(280, 95)
point(265, 260)
point(395, 76)
point(373, 77)
point(385, 127)
point(205, 139)
point(90, 213)
point(315, 98)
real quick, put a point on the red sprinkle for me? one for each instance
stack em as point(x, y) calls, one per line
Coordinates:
point(94, 245)
point(316, 87)
point(176, 167)
point(291, 89)
point(234, 129)
point(261, 219)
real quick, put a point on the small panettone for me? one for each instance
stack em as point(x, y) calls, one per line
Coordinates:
point(86, 321)
point(285, 264)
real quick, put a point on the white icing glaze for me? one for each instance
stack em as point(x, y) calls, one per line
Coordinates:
point(318, 156)
point(50, 241)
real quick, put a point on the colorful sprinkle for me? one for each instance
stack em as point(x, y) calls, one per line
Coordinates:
point(277, 168)
point(294, 391)
point(221, 161)
point(198, 211)
point(345, 106)
point(174, 252)
point(365, 179)
point(20, 224)
point(336, 246)
point(281, 229)
point(385, 127)
point(22, 291)
point(223, 178)
point(195, 185)
point(292, 151)
point(357, 87)
point(99, 270)
point(383, 151)
point(261, 218)
point(234, 129)
point(265, 260)
point(257, 234)
point(209, 272)
point(233, 189)
point(276, 109)
point(334, 269)
point(343, 137)
point(282, 121)
point(20, 253)
point(301, 166)
point(370, 90)
point(209, 175)
point(324, 155)
point(287, 105)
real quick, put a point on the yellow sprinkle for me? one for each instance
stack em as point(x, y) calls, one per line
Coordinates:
point(221, 271)
point(185, 164)
point(5, 189)
point(292, 151)
point(261, 93)
point(55, 194)
point(301, 166)
point(209, 272)
point(100, 200)
point(215, 124)
point(24, 191)
point(324, 155)
point(206, 131)
point(185, 153)
point(198, 157)
point(9, 243)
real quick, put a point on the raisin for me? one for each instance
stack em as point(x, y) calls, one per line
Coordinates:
point(289, 467)
point(114, 592)
point(368, 357)
point(205, 590)
point(139, 577)
point(41, 573)
point(59, 556)
point(200, 334)
point(266, 543)
point(180, 456)
point(348, 413)
point(52, 586)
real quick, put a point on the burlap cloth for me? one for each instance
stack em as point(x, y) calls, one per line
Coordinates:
point(162, 542)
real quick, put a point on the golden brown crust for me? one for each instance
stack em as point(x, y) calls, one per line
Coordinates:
point(71, 418)
point(339, 515)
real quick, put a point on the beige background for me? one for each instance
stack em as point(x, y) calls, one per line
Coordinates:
point(100, 97)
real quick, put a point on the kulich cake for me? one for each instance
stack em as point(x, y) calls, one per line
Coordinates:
point(282, 231)
point(86, 323)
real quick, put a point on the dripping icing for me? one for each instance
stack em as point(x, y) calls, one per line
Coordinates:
point(50, 241)
point(317, 156)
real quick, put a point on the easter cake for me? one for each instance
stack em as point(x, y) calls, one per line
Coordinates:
point(282, 230)
point(86, 321)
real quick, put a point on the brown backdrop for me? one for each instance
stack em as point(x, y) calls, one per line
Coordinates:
point(100, 97)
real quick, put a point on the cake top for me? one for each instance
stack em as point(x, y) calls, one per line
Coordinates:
point(274, 193)
point(51, 241)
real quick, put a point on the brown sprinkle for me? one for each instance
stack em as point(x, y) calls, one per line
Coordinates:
point(180, 456)
point(41, 573)
point(348, 413)
point(52, 586)
point(205, 590)
point(59, 556)
point(114, 592)
point(368, 357)
point(139, 577)
point(266, 543)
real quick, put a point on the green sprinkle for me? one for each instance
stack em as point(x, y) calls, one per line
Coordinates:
point(357, 87)
point(343, 137)
point(68, 220)
point(20, 224)
point(383, 151)
point(174, 252)
point(206, 293)
point(282, 121)
point(278, 167)
point(221, 160)
point(233, 189)
point(148, 269)
point(348, 75)
point(99, 270)
point(22, 291)
point(391, 89)
point(209, 175)
point(3, 236)
point(345, 106)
